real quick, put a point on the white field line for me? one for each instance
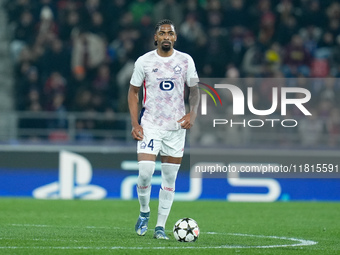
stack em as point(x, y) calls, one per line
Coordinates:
point(299, 242)
point(51, 226)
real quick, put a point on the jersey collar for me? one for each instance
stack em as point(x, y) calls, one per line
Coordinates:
point(165, 58)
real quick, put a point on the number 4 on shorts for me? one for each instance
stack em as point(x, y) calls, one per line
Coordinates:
point(150, 145)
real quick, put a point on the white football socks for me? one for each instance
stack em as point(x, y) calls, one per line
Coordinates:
point(146, 170)
point(167, 192)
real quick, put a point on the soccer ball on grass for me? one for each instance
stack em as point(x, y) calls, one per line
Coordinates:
point(186, 230)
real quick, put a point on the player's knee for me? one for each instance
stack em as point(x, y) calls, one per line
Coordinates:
point(169, 175)
point(145, 177)
point(170, 178)
point(146, 170)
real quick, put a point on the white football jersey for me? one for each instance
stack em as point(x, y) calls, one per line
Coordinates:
point(163, 80)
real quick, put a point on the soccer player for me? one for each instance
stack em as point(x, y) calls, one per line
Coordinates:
point(162, 124)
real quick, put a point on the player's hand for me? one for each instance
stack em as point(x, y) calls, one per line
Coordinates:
point(137, 132)
point(187, 121)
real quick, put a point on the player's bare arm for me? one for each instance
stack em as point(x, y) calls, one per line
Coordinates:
point(133, 101)
point(188, 120)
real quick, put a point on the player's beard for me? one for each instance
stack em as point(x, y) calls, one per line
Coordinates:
point(166, 47)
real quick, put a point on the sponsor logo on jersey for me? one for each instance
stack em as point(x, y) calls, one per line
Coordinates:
point(166, 85)
point(155, 70)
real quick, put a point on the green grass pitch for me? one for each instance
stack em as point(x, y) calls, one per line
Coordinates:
point(29, 226)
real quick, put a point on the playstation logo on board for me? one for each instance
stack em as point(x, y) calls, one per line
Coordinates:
point(75, 175)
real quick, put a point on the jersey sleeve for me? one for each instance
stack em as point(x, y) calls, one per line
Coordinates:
point(138, 74)
point(192, 77)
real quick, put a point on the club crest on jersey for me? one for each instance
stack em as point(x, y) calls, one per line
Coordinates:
point(143, 145)
point(177, 69)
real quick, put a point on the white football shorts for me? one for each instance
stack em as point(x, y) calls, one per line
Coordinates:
point(166, 142)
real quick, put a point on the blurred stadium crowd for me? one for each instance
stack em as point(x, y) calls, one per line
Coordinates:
point(72, 55)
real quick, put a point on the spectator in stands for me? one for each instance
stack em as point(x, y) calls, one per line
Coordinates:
point(285, 9)
point(193, 7)
point(286, 29)
point(218, 39)
point(313, 15)
point(311, 36)
point(30, 83)
point(254, 60)
point(67, 27)
point(56, 85)
point(260, 10)
point(102, 82)
point(239, 39)
point(36, 124)
point(86, 11)
point(311, 129)
point(194, 39)
point(296, 60)
point(325, 45)
point(16, 8)
point(50, 4)
point(140, 8)
point(233, 38)
point(333, 11)
point(57, 106)
point(46, 24)
point(33, 100)
point(97, 25)
point(236, 14)
point(89, 51)
point(23, 34)
point(82, 100)
point(83, 133)
point(106, 88)
point(61, 59)
point(168, 9)
point(113, 12)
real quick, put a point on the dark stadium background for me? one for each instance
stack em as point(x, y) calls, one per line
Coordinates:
point(65, 68)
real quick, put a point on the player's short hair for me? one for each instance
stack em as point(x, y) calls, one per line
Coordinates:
point(163, 22)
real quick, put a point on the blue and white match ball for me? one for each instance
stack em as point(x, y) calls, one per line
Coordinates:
point(186, 230)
